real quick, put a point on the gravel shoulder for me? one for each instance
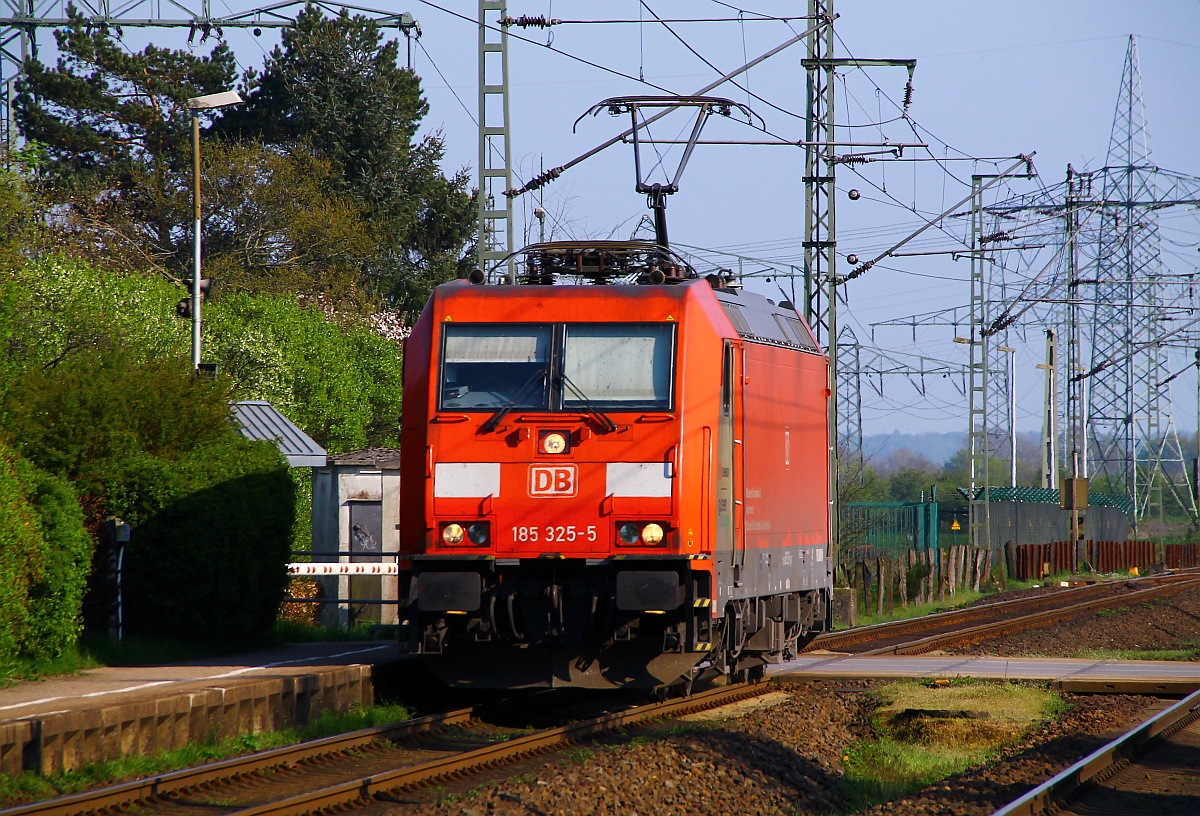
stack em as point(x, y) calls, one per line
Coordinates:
point(780, 759)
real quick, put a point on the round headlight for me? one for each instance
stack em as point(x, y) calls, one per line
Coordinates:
point(554, 442)
point(453, 533)
point(478, 532)
point(652, 533)
point(629, 532)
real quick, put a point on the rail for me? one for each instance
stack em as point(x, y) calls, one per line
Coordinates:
point(125, 793)
point(345, 793)
point(1065, 785)
point(1006, 613)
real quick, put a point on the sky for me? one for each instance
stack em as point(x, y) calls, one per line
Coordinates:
point(992, 80)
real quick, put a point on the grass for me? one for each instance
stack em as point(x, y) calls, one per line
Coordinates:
point(292, 632)
point(961, 599)
point(911, 749)
point(72, 661)
point(134, 650)
point(31, 787)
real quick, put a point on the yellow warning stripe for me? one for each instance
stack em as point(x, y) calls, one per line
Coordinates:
point(702, 602)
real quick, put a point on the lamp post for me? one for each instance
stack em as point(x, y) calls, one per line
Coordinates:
point(195, 105)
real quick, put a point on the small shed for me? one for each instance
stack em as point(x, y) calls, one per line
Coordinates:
point(355, 520)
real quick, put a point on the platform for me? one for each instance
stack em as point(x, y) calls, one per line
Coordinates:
point(101, 714)
point(1067, 674)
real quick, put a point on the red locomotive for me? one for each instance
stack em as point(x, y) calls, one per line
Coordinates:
point(615, 485)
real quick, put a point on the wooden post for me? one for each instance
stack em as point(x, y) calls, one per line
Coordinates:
point(902, 579)
point(941, 573)
point(880, 585)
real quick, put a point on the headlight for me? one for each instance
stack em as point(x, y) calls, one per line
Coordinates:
point(453, 533)
point(553, 442)
point(629, 532)
point(479, 533)
point(652, 533)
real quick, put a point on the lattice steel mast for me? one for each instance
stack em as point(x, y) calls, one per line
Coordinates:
point(1136, 448)
point(495, 241)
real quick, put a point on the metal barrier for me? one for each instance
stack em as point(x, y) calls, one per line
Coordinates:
point(1181, 556)
point(1033, 561)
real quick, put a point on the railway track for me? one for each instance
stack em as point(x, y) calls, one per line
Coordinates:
point(1154, 768)
point(337, 772)
point(976, 623)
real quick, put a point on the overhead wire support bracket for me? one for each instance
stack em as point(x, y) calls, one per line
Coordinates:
point(542, 179)
point(865, 266)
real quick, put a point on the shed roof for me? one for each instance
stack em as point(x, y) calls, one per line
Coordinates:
point(383, 458)
point(259, 420)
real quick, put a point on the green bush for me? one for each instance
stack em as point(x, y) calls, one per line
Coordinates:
point(210, 564)
point(65, 306)
point(56, 595)
point(44, 558)
point(341, 383)
point(21, 548)
point(212, 512)
point(96, 417)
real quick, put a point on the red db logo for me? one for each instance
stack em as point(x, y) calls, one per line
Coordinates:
point(553, 480)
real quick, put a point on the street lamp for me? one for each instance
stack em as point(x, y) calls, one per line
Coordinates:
point(195, 105)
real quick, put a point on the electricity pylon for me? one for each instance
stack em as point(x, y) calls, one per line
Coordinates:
point(1135, 447)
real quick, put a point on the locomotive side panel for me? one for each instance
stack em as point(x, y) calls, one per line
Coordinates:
point(785, 485)
point(414, 435)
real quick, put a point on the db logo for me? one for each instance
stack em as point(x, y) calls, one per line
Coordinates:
point(553, 480)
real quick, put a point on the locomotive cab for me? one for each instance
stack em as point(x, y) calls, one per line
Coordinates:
point(580, 503)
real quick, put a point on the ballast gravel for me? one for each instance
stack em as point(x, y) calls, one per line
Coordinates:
point(783, 758)
point(1172, 622)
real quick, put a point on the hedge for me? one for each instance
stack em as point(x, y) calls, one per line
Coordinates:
point(45, 554)
point(210, 564)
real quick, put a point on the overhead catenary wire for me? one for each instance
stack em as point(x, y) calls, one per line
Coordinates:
point(552, 174)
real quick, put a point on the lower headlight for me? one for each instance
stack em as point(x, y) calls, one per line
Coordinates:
point(629, 532)
point(652, 533)
point(479, 533)
point(453, 533)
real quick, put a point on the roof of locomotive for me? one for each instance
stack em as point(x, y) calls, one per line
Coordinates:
point(757, 318)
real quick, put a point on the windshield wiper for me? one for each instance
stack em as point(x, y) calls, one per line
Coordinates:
point(603, 419)
point(490, 424)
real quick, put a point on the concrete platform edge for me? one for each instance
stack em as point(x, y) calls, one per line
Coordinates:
point(63, 740)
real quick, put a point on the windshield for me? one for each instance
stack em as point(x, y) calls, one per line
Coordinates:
point(615, 365)
point(562, 367)
point(489, 367)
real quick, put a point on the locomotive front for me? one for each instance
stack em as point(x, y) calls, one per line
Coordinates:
point(543, 477)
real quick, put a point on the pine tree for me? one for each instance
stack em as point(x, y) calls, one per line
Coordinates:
point(336, 85)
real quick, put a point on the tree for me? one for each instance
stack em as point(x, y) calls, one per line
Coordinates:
point(275, 224)
point(336, 84)
point(116, 128)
